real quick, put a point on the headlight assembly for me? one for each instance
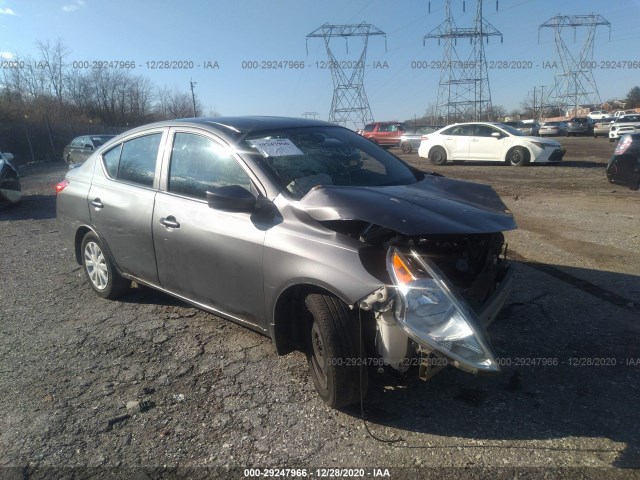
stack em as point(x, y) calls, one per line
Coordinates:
point(433, 315)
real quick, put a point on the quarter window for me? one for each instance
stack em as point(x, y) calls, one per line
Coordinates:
point(135, 160)
point(199, 164)
point(111, 160)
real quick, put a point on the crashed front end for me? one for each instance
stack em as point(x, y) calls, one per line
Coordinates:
point(443, 294)
point(439, 251)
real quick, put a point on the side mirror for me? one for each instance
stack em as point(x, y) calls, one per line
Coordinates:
point(232, 198)
point(8, 156)
point(496, 135)
point(88, 146)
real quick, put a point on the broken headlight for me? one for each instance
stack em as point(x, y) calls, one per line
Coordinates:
point(435, 316)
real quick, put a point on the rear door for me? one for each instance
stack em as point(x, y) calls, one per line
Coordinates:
point(210, 256)
point(456, 140)
point(121, 200)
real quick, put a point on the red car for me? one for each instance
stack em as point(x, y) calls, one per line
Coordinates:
point(385, 134)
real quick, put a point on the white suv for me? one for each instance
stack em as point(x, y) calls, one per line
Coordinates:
point(629, 123)
point(484, 141)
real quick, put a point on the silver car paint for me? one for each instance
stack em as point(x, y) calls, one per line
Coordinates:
point(246, 276)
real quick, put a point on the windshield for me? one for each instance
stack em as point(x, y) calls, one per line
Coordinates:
point(302, 158)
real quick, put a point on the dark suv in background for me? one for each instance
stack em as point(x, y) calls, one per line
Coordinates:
point(385, 134)
point(81, 147)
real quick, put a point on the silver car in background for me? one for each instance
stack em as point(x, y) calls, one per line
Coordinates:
point(303, 231)
point(412, 136)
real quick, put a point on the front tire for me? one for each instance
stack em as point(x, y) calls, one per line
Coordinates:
point(99, 270)
point(406, 147)
point(333, 349)
point(518, 156)
point(438, 156)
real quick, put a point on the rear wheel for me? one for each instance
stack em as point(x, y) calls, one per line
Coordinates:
point(438, 156)
point(518, 156)
point(102, 275)
point(406, 147)
point(333, 349)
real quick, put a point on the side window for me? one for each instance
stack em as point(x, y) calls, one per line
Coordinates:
point(369, 127)
point(138, 159)
point(459, 130)
point(135, 160)
point(77, 142)
point(198, 164)
point(483, 131)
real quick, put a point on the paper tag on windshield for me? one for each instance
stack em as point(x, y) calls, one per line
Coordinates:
point(280, 147)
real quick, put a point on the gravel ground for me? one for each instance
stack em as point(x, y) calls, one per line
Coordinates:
point(150, 387)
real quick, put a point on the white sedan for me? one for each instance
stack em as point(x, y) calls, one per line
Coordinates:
point(485, 141)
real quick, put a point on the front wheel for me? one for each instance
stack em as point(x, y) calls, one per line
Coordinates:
point(406, 147)
point(102, 275)
point(335, 351)
point(438, 156)
point(518, 156)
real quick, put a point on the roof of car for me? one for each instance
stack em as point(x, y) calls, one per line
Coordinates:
point(240, 125)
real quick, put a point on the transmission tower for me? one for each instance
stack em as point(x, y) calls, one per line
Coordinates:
point(463, 91)
point(575, 84)
point(349, 106)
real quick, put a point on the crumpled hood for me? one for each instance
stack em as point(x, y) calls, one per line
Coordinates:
point(435, 205)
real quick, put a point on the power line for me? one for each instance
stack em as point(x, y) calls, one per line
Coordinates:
point(575, 84)
point(349, 106)
point(463, 91)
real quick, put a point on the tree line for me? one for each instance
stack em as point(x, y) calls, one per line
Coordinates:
point(45, 102)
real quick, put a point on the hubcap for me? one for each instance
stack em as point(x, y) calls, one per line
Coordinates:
point(96, 265)
point(319, 360)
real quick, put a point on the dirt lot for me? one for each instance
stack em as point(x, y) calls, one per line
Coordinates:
point(149, 382)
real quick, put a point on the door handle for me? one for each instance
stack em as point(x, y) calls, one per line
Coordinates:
point(169, 222)
point(97, 203)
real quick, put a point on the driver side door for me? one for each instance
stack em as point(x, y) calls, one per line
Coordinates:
point(209, 256)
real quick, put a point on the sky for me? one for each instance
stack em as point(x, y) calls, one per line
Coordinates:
point(234, 36)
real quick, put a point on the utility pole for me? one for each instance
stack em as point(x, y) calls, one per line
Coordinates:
point(350, 106)
point(193, 97)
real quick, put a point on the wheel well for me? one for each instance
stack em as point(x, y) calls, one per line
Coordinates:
point(289, 320)
point(80, 233)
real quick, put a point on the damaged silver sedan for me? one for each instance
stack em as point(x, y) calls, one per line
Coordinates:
point(303, 231)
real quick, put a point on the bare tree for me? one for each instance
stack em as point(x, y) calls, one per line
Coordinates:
point(52, 61)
